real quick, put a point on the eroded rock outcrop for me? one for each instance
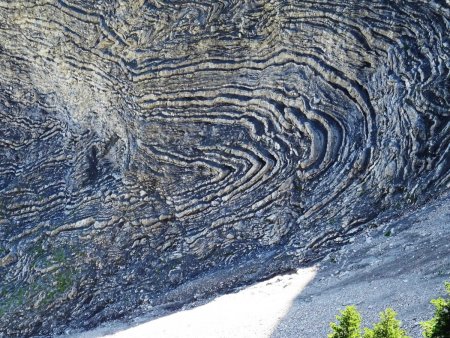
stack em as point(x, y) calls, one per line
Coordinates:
point(153, 152)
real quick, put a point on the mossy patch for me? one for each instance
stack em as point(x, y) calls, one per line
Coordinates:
point(51, 285)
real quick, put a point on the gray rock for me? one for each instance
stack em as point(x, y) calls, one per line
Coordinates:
point(135, 134)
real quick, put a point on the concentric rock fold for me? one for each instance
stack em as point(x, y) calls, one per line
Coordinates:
point(153, 152)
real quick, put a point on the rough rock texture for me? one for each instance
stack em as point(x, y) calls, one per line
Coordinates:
point(153, 152)
point(404, 270)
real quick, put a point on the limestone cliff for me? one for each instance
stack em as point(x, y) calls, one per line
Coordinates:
point(153, 152)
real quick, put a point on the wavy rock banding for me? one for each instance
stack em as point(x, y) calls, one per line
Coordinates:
point(153, 152)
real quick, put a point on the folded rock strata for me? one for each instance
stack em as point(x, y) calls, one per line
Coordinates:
point(153, 152)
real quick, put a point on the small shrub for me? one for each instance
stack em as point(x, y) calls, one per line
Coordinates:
point(59, 256)
point(349, 324)
point(388, 327)
point(439, 325)
point(63, 281)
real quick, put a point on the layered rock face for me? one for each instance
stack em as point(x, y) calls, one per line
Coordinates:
point(153, 152)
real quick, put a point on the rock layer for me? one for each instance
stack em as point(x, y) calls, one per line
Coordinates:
point(152, 148)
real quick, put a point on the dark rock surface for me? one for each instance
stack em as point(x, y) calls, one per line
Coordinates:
point(154, 152)
point(404, 270)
